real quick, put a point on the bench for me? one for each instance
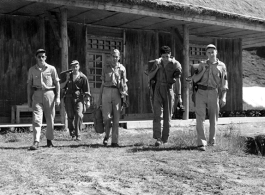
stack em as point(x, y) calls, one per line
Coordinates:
point(16, 111)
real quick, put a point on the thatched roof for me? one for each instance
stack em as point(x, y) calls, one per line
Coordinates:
point(246, 8)
point(250, 10)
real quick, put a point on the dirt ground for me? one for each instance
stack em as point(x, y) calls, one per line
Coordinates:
point(137, 167)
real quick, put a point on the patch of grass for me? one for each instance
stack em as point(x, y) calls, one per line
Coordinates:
point(137, 167)
point(230, 139)
point(11, 137)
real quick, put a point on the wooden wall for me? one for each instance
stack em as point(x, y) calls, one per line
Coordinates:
point(230, 52)
point(19, 38)
point(141, 47)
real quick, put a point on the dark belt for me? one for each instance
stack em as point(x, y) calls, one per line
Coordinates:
point(110, 86)
point(202, 87)
point(40, 89)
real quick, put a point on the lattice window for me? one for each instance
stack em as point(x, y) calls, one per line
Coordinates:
point(95, 62)
point(197, 50)
point(101, 43)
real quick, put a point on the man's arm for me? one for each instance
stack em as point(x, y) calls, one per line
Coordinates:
point(29, 89)
point(178, 91)
point(57, 86)
point(57, 95)
point(29, 93)
point(224, 87)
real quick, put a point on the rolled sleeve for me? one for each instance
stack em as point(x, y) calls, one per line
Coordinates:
point(55, 75)
point(178, 71)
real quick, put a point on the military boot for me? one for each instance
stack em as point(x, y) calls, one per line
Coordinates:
point(49, 143)
point(35, 146)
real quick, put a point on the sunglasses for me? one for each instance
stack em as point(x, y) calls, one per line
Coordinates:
point(41, 57)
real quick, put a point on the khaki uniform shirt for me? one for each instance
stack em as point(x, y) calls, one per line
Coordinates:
point(43, 79)
point(215, 75)
point(111, 76)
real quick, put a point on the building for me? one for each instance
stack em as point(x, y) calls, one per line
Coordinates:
point(86, 30)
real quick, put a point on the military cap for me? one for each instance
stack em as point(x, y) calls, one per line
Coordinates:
point(40, 51)
point(210, 46)
point(74, 62)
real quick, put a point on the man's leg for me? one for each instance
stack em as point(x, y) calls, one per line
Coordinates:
point(200, 109)
point(167, 113)
point(106, 110)
point(37, 120)
point(69, 107)
point(78, 118)
point(116, 107)
point(213, 111)
point(157, 115)
point(37, 108)
point(49, 111)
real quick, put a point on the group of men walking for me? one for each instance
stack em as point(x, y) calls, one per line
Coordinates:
point(210, 81)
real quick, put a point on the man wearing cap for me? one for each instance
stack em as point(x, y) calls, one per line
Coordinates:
point(111, 99)
point(77, 99)
point(164, 73)
point(211, 79)
point(43, 91)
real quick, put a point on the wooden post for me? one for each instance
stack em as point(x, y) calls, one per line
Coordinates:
point(124, 47)
point(185, 67)
point(157, 49)
point(64, 40)
point(64, 60)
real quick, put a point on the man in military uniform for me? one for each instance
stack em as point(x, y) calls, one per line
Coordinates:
point(211, 80)
point(43, 90)
point(76, 99)
point(164, 73)
point(112, 96)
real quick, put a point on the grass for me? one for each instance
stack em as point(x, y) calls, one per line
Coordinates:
point(137, 167)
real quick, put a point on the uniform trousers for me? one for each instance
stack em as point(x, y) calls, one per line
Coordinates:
point(206, 99)
point(74, 110)
point(43, 102)
point(111, 111)
point(163, 106)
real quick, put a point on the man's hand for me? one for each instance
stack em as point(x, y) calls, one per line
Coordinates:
point(57, 101)
point(178, 99)
point(87, 103)
point(222, 102)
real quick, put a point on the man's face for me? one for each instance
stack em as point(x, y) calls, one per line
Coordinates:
point(115, 57)
point(211, 53)
point(75, 67)
point(165, 57)
point(41, 57)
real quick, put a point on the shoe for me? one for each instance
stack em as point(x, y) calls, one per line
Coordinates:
point(115, 145)
point(49, 143)
point(212, 144)
point(105, 141)
point(158, 142)
point(78, 138)
point(35, 146)
point(202, 148)
point(73, 138)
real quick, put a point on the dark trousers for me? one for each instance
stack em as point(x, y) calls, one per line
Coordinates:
point(74, 111)
point(163, 106)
